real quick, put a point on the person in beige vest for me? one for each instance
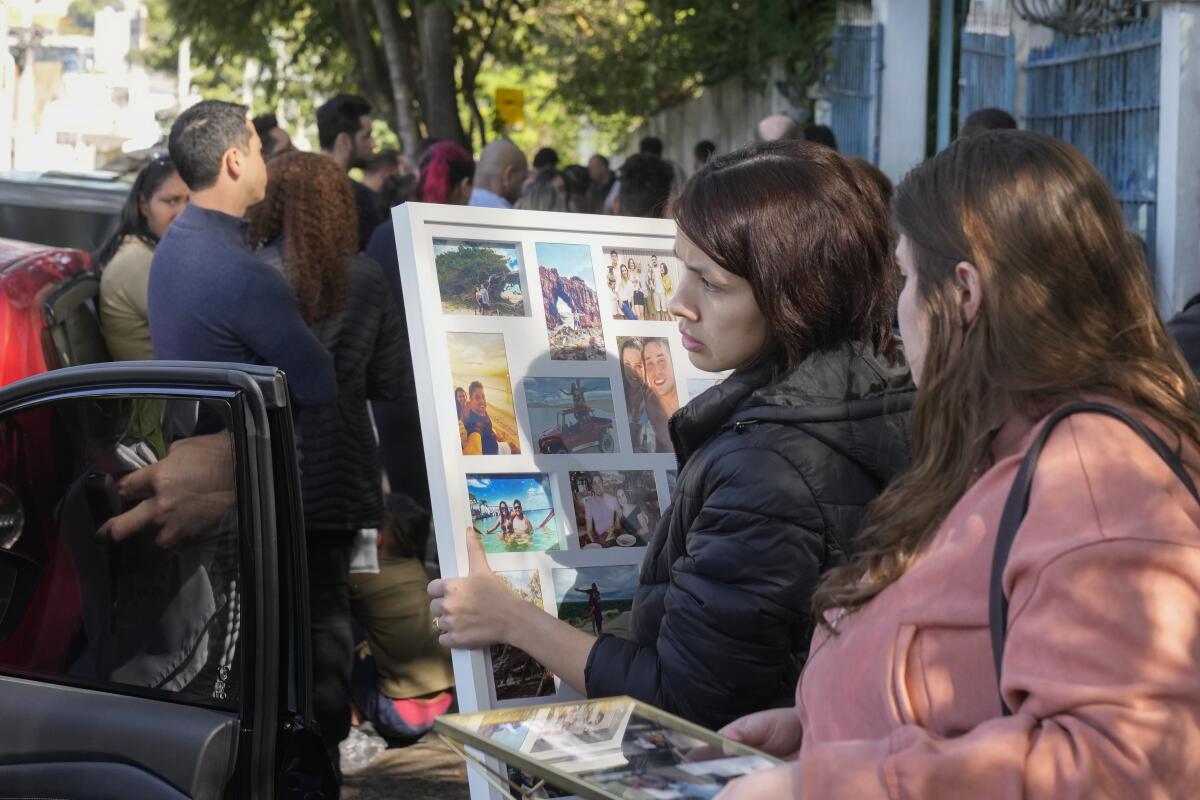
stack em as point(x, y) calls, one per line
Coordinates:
point(157, 197)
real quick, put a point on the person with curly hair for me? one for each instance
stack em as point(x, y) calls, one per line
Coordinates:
point(307, 226)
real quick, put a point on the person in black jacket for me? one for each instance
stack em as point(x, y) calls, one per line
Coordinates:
point(308, 225)
point(788, 281)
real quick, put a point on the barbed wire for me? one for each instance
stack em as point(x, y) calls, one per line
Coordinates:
point(1077, 17)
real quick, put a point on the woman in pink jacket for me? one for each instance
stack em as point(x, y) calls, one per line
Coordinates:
point(1024, 293)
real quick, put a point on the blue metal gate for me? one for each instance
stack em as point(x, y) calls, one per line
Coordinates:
point(987, 73)
point(857, 68)
point(1101, 94)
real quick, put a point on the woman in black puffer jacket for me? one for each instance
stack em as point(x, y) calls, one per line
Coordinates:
point(308, 223)
point(789, 282)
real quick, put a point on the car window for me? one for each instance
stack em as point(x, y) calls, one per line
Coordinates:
point(119, 546)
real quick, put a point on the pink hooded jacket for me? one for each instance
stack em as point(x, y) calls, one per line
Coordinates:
point(1102, 662)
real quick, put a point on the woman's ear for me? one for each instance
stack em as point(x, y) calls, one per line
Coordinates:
point(970, 291)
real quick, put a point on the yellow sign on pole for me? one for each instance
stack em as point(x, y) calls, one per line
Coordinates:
point(510, 106)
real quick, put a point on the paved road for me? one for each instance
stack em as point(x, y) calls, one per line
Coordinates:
point(425, 771)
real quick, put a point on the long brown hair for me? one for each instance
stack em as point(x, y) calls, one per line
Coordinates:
point(1066, 310)
point(310, 204)
point(810, 234)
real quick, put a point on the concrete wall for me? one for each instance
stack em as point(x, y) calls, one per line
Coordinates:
point(727, 114)
point(1178, 237)
point(905, 84)
point(724, 114)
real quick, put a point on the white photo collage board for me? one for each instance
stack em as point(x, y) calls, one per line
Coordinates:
point(547, 365)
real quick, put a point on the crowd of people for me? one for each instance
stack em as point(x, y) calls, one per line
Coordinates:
point(935, 535)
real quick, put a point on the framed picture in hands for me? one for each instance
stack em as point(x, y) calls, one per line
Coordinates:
point(555, 451)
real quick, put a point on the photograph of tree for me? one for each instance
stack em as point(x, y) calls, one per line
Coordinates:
point(516, 674)
point(596, 600)
point(483, 401)
point(571, 415)
point(570, 302)
point(479, 278)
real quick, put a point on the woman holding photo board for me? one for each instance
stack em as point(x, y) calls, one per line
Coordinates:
point(787, 281)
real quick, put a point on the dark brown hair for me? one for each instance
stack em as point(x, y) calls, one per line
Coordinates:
point(1066, 310)
point(809, 232)
point(310, 204)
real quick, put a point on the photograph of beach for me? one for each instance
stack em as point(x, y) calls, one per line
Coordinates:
point(596, 600)
point(513, 513)
point(571, 415)
point(483, 400)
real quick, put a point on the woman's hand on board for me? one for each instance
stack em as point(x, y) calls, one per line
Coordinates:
point(477, 610)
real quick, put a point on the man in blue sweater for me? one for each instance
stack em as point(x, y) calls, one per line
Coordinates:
point(211, 299)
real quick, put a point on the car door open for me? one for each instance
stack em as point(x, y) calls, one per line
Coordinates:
point(139, 601)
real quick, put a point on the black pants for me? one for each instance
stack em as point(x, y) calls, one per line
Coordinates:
point(332, 633)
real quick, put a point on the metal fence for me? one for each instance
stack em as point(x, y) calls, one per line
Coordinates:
point(855, 73)
point(987, 73)
point(1101, 94)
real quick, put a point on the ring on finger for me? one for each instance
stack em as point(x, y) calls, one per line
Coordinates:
point(437, 624)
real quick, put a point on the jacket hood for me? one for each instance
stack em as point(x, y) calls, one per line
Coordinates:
point(848, 397)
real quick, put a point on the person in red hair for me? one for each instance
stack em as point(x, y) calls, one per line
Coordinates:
point(447, 175)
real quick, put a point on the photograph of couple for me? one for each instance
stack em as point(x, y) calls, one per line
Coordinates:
point(513, 513)
point(481, 278)
point(483, 401)
point(615, 508)
point(651, 394)
point(641, 283)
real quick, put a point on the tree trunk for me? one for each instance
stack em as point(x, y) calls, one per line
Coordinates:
point(368, 63)
point(435, 26)
point(477, 122)
point(395, 50)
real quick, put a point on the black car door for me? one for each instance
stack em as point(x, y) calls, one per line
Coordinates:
point(146, 647)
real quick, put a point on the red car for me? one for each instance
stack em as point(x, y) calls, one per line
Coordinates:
point(47, 310)
point(577, 433)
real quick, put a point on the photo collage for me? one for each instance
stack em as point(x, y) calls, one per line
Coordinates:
point(573, 402)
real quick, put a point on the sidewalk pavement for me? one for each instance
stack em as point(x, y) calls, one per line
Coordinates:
point(425, 771)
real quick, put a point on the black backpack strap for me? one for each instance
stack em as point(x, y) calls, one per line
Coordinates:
point(1017, 505)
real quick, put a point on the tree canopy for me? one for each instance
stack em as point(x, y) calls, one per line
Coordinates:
point(590, 68)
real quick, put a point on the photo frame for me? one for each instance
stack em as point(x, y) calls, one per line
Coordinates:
point(613, 748)
point(541, 400)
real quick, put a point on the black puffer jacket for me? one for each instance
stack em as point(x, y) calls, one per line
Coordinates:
point(339, 460)
point(775, 474)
